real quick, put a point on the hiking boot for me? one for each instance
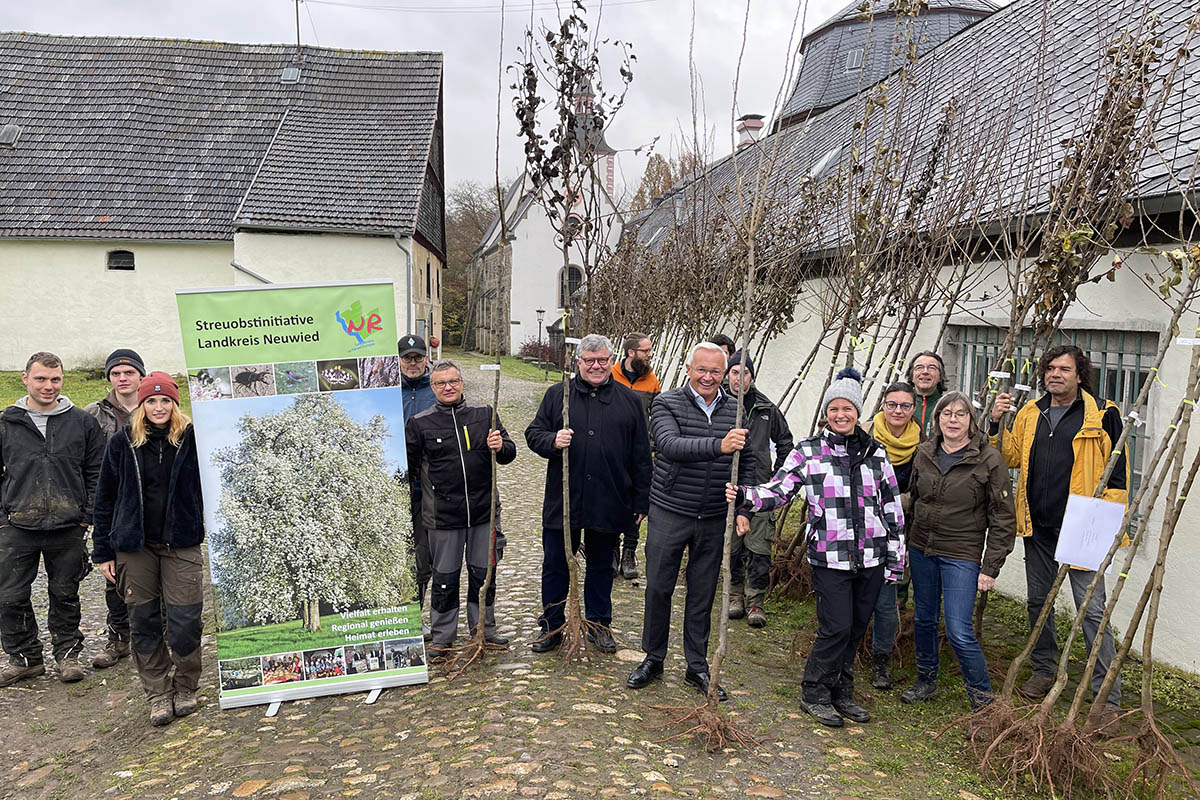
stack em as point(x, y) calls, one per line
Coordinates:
point(1038, 685)
point(15, 672)
point(756, 618)
point(439, 652)
point(161, 711)
point(851, 710)
point(737, 606)
point(545, 644)
point(881, 671)
point(70, 670)
point(602, 639)
point(919, 692)
point(823, 713)
point(629, 570)
point(185, 702)
point(113, 652)
point(1104, 721)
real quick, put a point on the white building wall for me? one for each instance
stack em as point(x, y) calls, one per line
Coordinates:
point(60, 297)
point(1126, 304)
point(324, 258)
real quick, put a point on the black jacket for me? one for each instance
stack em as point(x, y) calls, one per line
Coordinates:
point(449, 456)
point(48, 482)
point(118, 525)
point(690, 471)
point(767, 424)
point(610, 456)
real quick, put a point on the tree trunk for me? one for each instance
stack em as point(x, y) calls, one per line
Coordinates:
point(312, 622)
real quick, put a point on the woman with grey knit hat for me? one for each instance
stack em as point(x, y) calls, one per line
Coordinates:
point(855, 540)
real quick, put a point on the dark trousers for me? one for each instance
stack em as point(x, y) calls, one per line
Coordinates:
point(117, 624)
point(421, 555)
point(65, 557)
point(845, 601)
point(1040, 568)
point(156, 579)
point(597, 580)
point(667, 536)
point(887, 621)
point(948, 583)
point(750, 560)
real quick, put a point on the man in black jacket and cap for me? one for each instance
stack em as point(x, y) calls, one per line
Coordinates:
point(609, 453)
point(696, 434)
point(750, 556)
point(449, 451)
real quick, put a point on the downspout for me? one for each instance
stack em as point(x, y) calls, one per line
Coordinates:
point(405, 245)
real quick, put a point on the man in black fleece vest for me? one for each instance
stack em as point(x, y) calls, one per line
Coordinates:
point(696, 434)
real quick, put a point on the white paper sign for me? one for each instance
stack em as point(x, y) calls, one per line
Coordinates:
point(1183, 340)
point(571, 340)
point(1022, 387)
point(1089, 527)
point(490, 366)
point(999, 374)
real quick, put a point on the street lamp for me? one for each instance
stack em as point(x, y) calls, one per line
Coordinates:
point(541, 313)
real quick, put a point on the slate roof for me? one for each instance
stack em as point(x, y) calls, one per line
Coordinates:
point(138, 138)
point(824, 80)
point(1003, 153)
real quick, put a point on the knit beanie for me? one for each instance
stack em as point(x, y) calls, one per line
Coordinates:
point(846, 386)
point(124, 356)
point(158, 383)
point(737, 359)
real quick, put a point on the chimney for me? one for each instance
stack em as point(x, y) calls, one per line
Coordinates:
point(748, 128)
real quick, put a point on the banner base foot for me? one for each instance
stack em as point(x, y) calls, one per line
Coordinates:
point(372, 696)
point(272, 709)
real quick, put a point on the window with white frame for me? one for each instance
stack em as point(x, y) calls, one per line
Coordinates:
point(854, 60)
point(1121, 362)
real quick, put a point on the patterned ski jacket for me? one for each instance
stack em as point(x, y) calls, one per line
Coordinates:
point(854, 516)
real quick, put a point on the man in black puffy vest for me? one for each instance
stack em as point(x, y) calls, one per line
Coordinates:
point(696, 434)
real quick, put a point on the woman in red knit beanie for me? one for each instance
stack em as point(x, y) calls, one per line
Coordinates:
point(148, 526)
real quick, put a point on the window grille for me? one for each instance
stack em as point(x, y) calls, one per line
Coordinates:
point(120, 260)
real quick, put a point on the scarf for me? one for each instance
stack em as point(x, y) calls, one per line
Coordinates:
point(899, 449)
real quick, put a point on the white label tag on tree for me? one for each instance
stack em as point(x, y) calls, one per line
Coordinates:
point(1183, 340)
point(1135, 419)
point(999, 374)
point(490, 366)
point(977, 404)
point(1022, 387)
point(572, 340)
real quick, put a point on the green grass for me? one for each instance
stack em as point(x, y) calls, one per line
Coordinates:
point(287, 637)
point(510, 366)
point(83, 386)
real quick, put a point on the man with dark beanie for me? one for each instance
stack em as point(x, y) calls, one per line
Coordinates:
point(750, 555)
point(50, 454)
point(124, 369)
point(418, 396)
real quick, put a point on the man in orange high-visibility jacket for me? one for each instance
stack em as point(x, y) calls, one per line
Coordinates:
point(634, 372)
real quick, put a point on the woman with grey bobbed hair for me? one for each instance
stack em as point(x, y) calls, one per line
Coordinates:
point(963, 527)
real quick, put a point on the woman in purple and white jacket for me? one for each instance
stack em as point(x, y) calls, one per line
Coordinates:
point(855, 540)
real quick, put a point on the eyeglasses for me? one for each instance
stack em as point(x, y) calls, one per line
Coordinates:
point(950, 413)
point(412, 358)
point(591, 362)
point(444, 384)
point(646, 350)
point(927, 368)
point(890, 406)
point(713, 373)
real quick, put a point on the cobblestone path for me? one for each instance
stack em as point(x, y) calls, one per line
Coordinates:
point(521, 725)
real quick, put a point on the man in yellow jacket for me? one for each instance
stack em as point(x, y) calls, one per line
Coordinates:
point(1061, 444)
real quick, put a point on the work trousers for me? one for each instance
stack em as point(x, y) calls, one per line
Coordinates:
point(887, 621)
point(65, 557)
point(951, 583)
point(117, 622)
point(750, 560)
point(446, 551)
point(597, 579)
point(668, 535)
point(421, 555)
point(845, 601)
point(162, 578)
point(1040, 569)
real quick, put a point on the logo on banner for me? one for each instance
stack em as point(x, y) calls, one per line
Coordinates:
point(359, 325)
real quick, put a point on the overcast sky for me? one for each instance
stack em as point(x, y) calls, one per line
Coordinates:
point(658, 102)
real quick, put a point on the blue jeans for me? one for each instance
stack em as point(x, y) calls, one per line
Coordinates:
point(887, 621)
point(952, 582)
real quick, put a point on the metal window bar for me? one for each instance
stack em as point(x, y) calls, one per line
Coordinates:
point(1120, 361)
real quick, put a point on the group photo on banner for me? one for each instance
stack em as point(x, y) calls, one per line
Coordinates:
point(298, 414)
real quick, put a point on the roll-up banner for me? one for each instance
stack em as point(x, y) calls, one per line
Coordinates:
point(297, 404)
